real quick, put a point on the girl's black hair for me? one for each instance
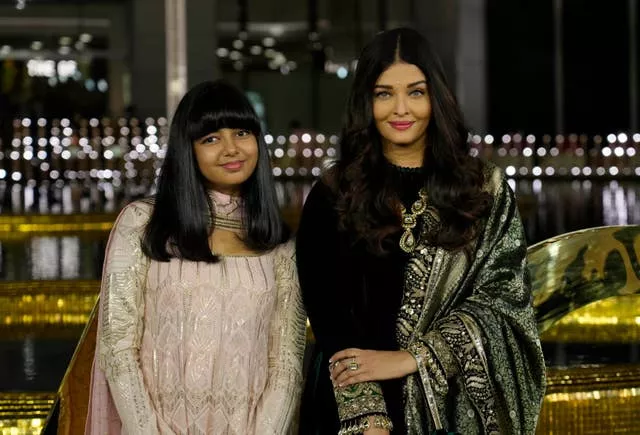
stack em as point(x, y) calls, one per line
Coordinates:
point(182, 217)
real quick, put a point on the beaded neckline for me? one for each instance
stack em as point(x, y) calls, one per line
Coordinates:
point(227, 210)
point(406, 169)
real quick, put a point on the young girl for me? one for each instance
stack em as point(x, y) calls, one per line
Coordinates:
point(201, 327)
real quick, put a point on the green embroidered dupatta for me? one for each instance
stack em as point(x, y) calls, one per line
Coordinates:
point(468, 320)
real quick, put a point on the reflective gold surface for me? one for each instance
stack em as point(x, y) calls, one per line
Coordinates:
point(612, 320)
point(46, 308)
point(591, 400)
point(22, 426)
point(24, 413)
point(586, 288)
point(577, 379)
point(575, 269)
point(23, 226)
point(591, 412)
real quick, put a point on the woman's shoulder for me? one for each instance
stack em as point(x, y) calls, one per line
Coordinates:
point(494, 178)
point(319, 209)
point(322, 193)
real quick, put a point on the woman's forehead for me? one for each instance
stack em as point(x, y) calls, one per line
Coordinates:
point(400, 74)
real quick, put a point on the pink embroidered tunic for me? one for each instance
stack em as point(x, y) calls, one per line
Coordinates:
point(194, 348)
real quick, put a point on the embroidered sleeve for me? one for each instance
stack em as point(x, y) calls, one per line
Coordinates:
point(356, 403)
point(120, 333)
point(280, 402)
point(360, 399)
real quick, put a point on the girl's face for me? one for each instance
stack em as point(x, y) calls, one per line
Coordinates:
point(401, 107)
point(227, 158)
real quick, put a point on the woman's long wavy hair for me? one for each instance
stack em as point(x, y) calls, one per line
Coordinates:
point(367, 204)
point(180, 223)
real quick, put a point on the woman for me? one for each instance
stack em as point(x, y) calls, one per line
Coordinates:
point(411, 256)
point(201, 328)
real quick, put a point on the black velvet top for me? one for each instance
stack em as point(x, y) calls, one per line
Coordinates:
point(352, 298)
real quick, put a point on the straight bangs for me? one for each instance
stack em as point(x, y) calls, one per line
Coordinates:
point(228, 109)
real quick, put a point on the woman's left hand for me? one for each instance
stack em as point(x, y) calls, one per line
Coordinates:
point(352, 366)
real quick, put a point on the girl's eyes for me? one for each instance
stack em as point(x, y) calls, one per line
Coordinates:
point(210, 139)
point(216, 139)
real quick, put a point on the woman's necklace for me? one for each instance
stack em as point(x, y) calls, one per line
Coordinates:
point(410, 220)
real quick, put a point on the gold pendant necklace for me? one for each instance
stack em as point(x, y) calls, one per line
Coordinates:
point(410, 220)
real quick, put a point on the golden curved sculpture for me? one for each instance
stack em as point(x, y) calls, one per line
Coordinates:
point(576, 269)
point(575, 276)
point(587, 290)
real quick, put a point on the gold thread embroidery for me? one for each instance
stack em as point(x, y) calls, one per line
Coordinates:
point(359, 399)
point(474, 372)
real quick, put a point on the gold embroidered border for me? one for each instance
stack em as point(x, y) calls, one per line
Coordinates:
point(417, 274)
point(428, 362)
point(360, 399)
point(364, 424)
point(473, 369)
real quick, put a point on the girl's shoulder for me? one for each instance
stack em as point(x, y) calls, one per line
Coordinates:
point(286, 249)
point(135, 215)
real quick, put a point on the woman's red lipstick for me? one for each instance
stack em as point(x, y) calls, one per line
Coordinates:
point(401, 125)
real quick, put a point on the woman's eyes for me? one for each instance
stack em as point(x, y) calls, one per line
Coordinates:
point(413, 93)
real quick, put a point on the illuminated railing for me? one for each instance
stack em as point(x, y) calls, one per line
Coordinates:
point(24, 413)
point(120, 150)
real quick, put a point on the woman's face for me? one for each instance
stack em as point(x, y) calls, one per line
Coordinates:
point(227, 158)
point(401, 106)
